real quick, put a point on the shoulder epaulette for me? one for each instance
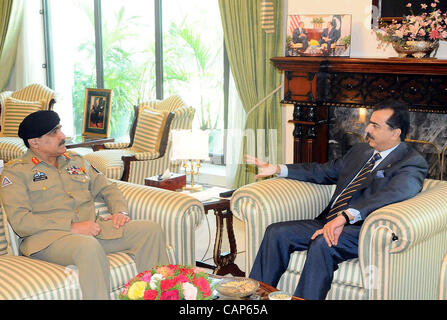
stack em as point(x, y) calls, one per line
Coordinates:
point(70, 153)
point(14, 162)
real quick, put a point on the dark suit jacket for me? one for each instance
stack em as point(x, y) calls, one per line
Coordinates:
point(331, 34)
point(398, 177)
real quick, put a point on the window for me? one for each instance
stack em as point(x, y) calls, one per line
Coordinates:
point(112, 44)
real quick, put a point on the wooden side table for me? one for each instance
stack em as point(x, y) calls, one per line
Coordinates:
point(221, 208)
point(224, 262)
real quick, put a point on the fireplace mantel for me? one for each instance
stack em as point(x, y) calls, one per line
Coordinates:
point(314, 84)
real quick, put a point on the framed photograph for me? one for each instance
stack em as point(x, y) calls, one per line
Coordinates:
point(318, 35)
point(97, 107)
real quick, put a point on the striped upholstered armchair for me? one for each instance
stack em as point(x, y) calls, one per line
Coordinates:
point(15, 106)
point(148, 153)
point(405, 265)
point(25, 278)
point(443, 280)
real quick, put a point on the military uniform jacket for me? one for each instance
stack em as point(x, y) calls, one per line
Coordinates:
point(42, 201)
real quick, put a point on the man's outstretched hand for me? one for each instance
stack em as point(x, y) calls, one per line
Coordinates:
point(265, 169)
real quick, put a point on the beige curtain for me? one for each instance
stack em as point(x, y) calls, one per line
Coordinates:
point(11, 13)
point(249, 49)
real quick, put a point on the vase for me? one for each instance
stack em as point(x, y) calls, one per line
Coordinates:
point(416, 49)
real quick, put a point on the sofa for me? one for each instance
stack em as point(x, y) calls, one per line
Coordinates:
point(401, 246)
point(26, 278)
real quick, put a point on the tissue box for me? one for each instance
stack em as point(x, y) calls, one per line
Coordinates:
point(175, 182)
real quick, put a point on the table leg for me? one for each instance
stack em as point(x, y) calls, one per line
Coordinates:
point(225, 262)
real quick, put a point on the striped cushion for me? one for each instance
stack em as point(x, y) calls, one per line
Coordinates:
point(148, 132)
point(15, 111)
point(25, 278)
point(348, 274)
point(11, 148)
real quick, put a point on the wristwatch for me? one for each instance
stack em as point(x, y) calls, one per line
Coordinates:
point(343, 213)
point(125, 213)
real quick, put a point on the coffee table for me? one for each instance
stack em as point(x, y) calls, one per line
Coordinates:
point(261, 294)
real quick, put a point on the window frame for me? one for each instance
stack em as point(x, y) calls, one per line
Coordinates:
point(158, 12)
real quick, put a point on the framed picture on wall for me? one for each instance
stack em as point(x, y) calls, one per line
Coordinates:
point(318, 35)
point(97, 107)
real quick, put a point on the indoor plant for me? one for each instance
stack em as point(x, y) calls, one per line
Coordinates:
point(415, 35)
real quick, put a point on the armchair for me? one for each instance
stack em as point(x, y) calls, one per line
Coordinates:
point(443, 280)
point(401, 246)
point(15, 106)
point(148, 152)
point(26, 278)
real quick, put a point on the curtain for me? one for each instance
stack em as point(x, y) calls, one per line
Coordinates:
point(11, 12)
point(249, 49)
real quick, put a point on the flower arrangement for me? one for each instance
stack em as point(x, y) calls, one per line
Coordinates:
point(428, 26)
point(169, 282)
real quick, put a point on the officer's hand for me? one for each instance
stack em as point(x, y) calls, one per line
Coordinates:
point(265, 169)
point(118, 219)
point(89, 228)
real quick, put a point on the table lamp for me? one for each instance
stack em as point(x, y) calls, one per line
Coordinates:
point(190, 146)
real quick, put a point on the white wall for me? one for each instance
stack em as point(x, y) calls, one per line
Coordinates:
point(363, 43)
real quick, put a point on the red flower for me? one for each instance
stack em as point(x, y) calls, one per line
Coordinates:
point(150, 294)
point(181, 278)
point(170, 295)
point(203, 286)
point(167, 284)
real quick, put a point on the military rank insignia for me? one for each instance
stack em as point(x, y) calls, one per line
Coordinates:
point(39, 176)
point(75, 170)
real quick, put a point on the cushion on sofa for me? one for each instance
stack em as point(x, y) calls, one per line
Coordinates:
point(149, 130)
point(14, 112)
point(26, 278)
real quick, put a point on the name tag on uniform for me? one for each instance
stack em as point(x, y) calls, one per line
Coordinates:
point(75, 170)
point(39, 176)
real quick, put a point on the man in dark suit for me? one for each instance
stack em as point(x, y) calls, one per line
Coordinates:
point(371, 175)
point(300, 36)
point(329, 35)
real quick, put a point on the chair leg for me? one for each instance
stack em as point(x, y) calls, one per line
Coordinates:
point(126, 171)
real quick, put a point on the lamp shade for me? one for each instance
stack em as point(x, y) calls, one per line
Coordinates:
point(190, 145)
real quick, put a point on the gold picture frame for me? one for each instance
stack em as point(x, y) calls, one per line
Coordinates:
point(97, 108)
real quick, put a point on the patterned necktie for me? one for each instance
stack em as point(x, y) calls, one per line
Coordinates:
point(343, 200)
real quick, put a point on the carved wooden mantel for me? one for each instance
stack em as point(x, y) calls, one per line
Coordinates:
point(314, 84)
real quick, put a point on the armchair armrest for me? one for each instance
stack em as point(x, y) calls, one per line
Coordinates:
point(402, 239)
point(280, 199)
point(116, 145)
point(263, 203)
point(141, 156)
point(178, 214)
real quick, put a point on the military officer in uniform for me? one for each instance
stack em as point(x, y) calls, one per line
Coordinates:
point(48, 196)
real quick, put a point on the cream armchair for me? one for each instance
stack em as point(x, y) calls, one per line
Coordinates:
point(15, 106)
point(401, 246)
point(25, 278)
point(140, 158)
point(443, 280)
